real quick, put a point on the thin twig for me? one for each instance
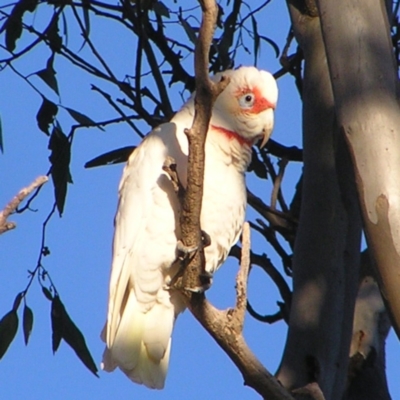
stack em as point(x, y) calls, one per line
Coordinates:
point(107, 96)
point(273, 174)
point(270, 235)
point(42, 253)
point(92, 47)
point(269, 319)
point(242, 277)
point(266, 265)
point(16, 201)
point(276, 191)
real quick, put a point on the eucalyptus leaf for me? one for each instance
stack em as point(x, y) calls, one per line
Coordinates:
point(8, 329)
point(46, 114)
point(27, 323)
point(64, 328)
point(60, 159)
point(112, 157)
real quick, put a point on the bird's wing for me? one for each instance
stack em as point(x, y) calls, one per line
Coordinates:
point(144, 227)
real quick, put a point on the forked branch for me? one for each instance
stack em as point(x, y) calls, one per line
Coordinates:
point(225, 326)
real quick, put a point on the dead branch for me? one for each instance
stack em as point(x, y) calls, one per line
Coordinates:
point(242, 277)
point(277, 185)
point(206, 94)
point(16, 201)
point(291, 153)
point(226, 327)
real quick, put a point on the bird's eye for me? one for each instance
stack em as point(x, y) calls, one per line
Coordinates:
point(247, 100)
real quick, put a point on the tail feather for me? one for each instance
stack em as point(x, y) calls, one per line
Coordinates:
point(126, 346)
point(149, 372)
point(142, 343)
point(158, 329)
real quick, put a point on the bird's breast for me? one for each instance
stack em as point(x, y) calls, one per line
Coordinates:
point(223, 209)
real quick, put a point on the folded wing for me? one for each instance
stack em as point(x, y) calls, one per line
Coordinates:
point(141, 311)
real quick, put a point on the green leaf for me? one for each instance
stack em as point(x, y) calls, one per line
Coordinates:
point(82, 119)
point(8, 329)
point(27, 323)
point(17, 301)
point(47, 293)
point(256, 39)
point(1, 137)
point(13, 25)
point(112, 157)
point(56, 324)
point(161, 9)
point(64, 328)
point(46, 114)
point(48, 75)
point(60, 158)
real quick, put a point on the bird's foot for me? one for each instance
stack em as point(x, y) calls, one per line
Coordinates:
point(170, 168)
point(205, 238)
point(184, 252)
point(205, 279)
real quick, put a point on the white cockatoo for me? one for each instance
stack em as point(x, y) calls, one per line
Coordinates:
point(142, 309)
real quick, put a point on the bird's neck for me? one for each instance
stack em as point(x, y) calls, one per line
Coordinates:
point(231, 135)
point(234, 149)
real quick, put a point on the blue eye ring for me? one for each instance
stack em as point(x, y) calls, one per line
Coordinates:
point(247, 100)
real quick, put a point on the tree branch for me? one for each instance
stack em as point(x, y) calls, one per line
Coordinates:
point(206, 94)
point(16, 201)
point(226, 326)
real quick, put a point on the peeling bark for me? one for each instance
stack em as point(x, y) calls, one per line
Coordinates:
point(366, 376)
point(368, 114)
point(326, 255)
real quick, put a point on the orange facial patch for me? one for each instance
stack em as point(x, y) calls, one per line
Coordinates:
point(260, 103)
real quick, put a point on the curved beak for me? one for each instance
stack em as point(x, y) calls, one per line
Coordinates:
point(266, 132)
point(266, 135)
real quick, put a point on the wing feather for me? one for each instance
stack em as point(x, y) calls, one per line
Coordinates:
point(145, 227)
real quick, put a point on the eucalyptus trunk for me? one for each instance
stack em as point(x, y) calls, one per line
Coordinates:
point(326, 254)
point(364, 81)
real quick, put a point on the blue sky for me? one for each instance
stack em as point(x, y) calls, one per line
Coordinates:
point(80, 242)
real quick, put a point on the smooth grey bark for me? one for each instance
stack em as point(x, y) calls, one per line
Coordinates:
point(364, 81)
point(327, 246)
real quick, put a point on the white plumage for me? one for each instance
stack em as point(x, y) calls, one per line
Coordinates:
point(141, 310)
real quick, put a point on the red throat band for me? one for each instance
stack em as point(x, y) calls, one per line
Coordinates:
point(231, 135)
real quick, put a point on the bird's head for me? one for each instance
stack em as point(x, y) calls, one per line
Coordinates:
point(247, 105)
